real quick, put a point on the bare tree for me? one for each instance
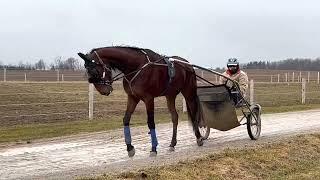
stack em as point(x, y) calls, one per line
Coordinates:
point(58, 63)
point(40, 65)
point(72, 63)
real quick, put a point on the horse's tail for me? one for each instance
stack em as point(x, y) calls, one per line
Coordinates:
point(198, 111)
point(190, 94)
point(193, 106)
point(194, 112)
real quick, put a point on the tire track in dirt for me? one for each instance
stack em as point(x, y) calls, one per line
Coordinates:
point(96, 153)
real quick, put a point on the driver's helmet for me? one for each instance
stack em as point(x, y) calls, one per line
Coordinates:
point(233, 65)
point(232, 62)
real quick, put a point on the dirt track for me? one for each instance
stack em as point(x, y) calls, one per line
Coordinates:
point(98, 153)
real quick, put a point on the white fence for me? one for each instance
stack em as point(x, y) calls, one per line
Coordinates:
point(303, 92)
point(41, 75)
point(272, 76)
point(21, 103)
point(68, 75)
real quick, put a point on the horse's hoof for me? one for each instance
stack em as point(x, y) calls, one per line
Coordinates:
point(200, 141)
point(171, 149)
point(132, 152)
point(153, 153)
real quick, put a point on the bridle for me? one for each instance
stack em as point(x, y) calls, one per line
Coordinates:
point(103, 81)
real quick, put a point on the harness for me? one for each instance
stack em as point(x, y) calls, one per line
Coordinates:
point(169, 64)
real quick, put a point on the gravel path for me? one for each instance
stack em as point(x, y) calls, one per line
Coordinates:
point(98, 153)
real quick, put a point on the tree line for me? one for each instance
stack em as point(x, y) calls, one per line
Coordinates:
point(67, 64)
point(288, 64)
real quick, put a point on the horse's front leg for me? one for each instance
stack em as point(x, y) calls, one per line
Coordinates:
point(131, 106)
point(150, 113)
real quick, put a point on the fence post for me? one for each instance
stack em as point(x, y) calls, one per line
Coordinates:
point(4, 75)
point(271, 78)
point(286, 77)
point(251, 91)
point(303, 91)
point(62, 77)
point(318, 78)
point(58, 75)
point(278, 78)
point(216, 78)
point(300, 77)
point(25, 77)
point(91, 101)
point(202, 73)
point(308, 77)
point(292, 76)
point(184, 105)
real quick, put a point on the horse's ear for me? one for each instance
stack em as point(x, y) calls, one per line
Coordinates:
point(83, 56)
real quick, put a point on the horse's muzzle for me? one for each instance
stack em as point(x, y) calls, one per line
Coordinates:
point(106, 93)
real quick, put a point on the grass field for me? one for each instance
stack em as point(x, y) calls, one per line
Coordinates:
point(39, 110)
point(295, 158)
point(28, 103)
point(285, 94)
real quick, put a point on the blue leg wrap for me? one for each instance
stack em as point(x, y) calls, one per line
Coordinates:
point(127, 134)
point(154, 140)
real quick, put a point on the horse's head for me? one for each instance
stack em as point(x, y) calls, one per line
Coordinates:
point(98, 73)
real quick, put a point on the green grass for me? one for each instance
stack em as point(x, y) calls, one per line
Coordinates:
point(296, 158)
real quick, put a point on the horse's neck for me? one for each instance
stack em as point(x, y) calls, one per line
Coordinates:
point(123, 59)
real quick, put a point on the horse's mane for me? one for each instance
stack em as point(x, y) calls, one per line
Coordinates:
point(125, 46)
point(137, 49)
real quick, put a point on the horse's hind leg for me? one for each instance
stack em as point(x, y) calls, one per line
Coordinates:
point(131, 106)
point(174, 118)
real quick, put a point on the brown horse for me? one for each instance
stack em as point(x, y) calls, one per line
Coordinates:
point(145, 76)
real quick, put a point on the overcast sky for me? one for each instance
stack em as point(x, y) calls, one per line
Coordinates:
point(205, 32)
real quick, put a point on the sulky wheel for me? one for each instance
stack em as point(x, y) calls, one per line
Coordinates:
point(254, 124)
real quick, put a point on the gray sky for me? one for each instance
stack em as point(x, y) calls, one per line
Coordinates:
point(205, 32)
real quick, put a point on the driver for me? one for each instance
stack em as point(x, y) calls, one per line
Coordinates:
point(233, 72)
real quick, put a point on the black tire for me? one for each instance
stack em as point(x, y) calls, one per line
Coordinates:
point(254, 124)
point(205, 132)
